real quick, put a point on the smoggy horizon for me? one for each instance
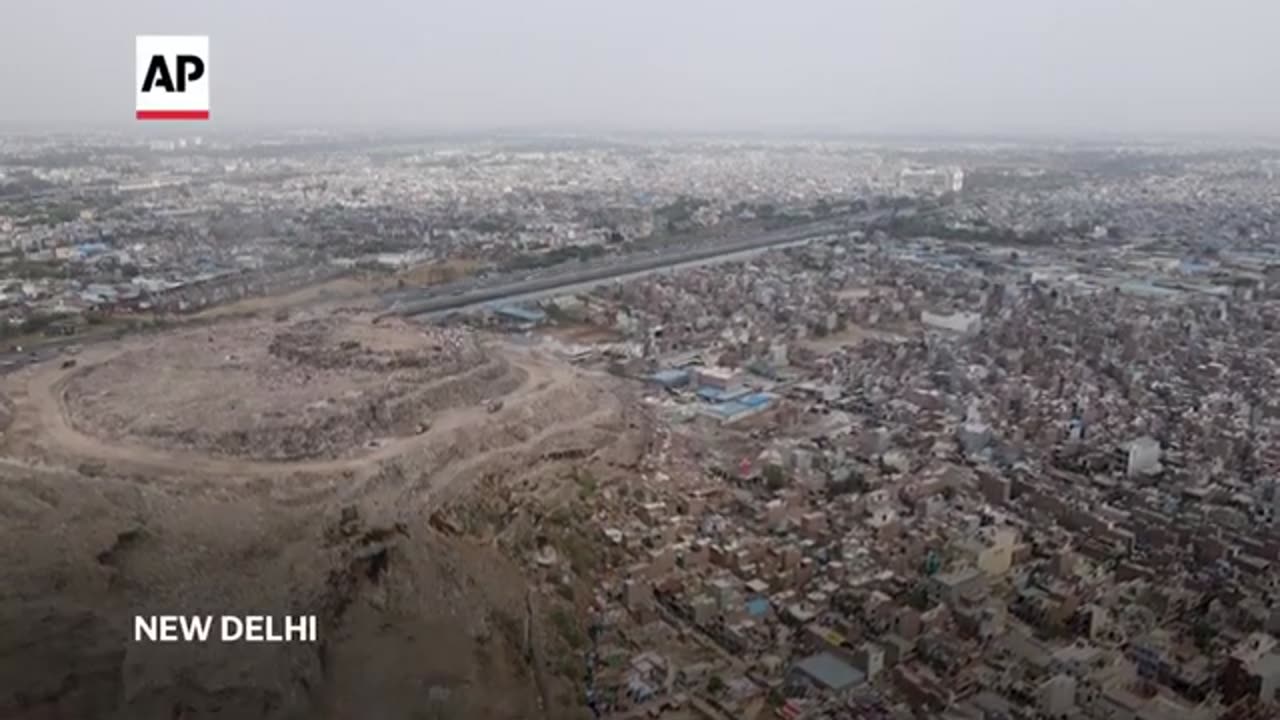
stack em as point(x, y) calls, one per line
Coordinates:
point(988, 69)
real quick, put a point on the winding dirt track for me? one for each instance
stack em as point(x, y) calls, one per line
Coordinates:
point(153, 529)
point(41, 408)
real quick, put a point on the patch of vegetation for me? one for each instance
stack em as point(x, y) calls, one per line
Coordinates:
point(550, 258)
point(676, 215)
point(584, 555)
point(32, 325)
point(851, 482)
point(36, 269)
point(774, 477)
point(587, 484)
point(915, 226)
point(568, 629)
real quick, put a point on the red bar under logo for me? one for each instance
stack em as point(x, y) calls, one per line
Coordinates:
point(173, 114)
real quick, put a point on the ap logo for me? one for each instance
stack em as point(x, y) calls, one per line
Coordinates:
point(172, 78)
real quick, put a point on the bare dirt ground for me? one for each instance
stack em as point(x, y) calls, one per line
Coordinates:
point(45, 421)
point(97, 527)
point(316, 388)
point(345, 289)
point(339, 289)
point(853, 335)
point(582, 333)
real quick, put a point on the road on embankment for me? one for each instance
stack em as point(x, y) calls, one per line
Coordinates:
point(482, 292)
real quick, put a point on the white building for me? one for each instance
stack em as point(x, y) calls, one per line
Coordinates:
point(1144, 456)
point(992, 549)
point(778, 354)
point(718, 377)
point(937, 180)
point(869, 658)
point(1057, 696)
point(963, 323)
point(974, 435)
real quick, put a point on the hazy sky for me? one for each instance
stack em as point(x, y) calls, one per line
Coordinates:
point(897, 66)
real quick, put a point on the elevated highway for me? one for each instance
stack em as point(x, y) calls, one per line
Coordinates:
point(478, 293)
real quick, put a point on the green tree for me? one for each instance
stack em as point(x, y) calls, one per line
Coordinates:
point(777, 698)
point(1203, 632)
point(775, 479)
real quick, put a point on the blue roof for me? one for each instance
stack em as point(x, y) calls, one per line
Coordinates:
point(670, 377)
point(716, 395)
point(519, 313)
point(1140, 287)
point(708, 393)
point(830, 671)
point(757, 606)
point(756, 400)
point(728, 409)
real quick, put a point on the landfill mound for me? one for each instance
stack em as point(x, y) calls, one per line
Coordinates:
point(98, 525)
point(317, 388)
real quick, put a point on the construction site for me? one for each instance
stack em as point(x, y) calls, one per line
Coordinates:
point(387, 477)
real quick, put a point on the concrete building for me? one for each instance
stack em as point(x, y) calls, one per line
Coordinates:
point(718, 378)
point(827, 672)
point(1056, 696)
point(965, 584)
point(520, 315)
point(869, 658)
point(991, 550)
point(1144, 457)
point(932, 180)
point(961, 323)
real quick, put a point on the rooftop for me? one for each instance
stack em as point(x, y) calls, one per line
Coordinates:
point(830, 671)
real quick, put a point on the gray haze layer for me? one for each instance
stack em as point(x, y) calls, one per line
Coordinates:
point(896, 66)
